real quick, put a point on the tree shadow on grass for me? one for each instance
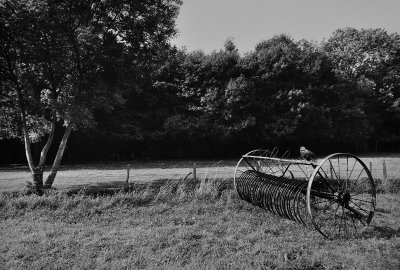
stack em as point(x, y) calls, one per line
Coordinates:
point(381, 232)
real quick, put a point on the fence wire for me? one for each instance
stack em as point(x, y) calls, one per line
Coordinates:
point(12, 178)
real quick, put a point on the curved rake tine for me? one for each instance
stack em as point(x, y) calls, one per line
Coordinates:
point(286, 155)
point(274, 152)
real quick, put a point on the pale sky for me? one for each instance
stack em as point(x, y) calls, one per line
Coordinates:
point(206, 24)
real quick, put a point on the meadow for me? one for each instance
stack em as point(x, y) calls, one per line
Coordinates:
point(15, 177)
point(179, 224)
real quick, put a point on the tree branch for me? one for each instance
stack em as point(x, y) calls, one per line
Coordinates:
point(5, 95)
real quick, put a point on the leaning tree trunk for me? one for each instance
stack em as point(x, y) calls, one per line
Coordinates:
point(46, 147)
point(58, 158)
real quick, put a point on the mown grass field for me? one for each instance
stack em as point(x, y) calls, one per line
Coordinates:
point(15, 177)
point(181, 225)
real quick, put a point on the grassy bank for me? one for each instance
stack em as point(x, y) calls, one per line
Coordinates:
point(180, 226)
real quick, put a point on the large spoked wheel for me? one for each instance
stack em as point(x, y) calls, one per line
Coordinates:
point(341, 196)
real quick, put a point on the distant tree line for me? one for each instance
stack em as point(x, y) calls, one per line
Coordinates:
point(110, 76)
point(339, 95)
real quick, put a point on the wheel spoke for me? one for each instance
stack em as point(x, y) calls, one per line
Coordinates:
point(327, 185)
point(366, 180)
point(354, 165)
point(363, 169)
point(324, 209)
point(326, 200)
point(337, 180)
point(334, 171)
point(341, 220)
point(362, 209)
point(302, 171)
point(354, 224)
point(337, 207)
point(352, 198)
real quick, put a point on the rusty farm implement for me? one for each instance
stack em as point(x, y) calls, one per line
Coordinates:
point(336, 194)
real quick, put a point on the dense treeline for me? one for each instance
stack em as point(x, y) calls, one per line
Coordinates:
point(340, 95)
point(163, 102)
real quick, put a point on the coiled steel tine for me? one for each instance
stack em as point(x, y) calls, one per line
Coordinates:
point(276, 194)
point(270, 188)
point(292, 201)
point(253, 184)
point(250, 185)
point(257, 193)
point(240, 184)
point(286, 194)
point(274, 152)
point(275, 203)
point(264, 198)
point(301, 202)
point(263, 190)
point(296, 198)
point(246, 186)
point(268, 196)
point(278, 198)
point(286, 154)
point(265, 153)
point(280, 201)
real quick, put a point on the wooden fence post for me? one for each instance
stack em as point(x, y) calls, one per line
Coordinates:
point(194, 171)
point(370, 167)
point(384, 170)
point(127, 173)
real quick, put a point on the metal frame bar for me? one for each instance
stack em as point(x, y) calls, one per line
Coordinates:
point(292, 161)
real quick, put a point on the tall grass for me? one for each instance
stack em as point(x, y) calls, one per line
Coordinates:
point(165, 191)
point(389, 185)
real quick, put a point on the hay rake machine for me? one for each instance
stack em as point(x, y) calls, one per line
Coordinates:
point(335, 194)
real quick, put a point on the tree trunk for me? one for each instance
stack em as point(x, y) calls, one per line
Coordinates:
point(46, 147)
point(28, 151)
point(37, 174)
point(38, 180)
point(57, 160)
point(27, 142)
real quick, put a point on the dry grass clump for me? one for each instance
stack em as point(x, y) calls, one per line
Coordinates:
point(86, 199)
point(392, 185)
point(389, 185)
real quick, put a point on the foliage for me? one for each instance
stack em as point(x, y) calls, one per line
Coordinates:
point(62, 62)
point(286, 91)
point(369, 59)
point(338, 95)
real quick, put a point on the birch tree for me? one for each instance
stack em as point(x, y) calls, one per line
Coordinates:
point(60, 61)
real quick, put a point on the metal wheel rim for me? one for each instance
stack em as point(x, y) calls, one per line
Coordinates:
point(343, 198)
